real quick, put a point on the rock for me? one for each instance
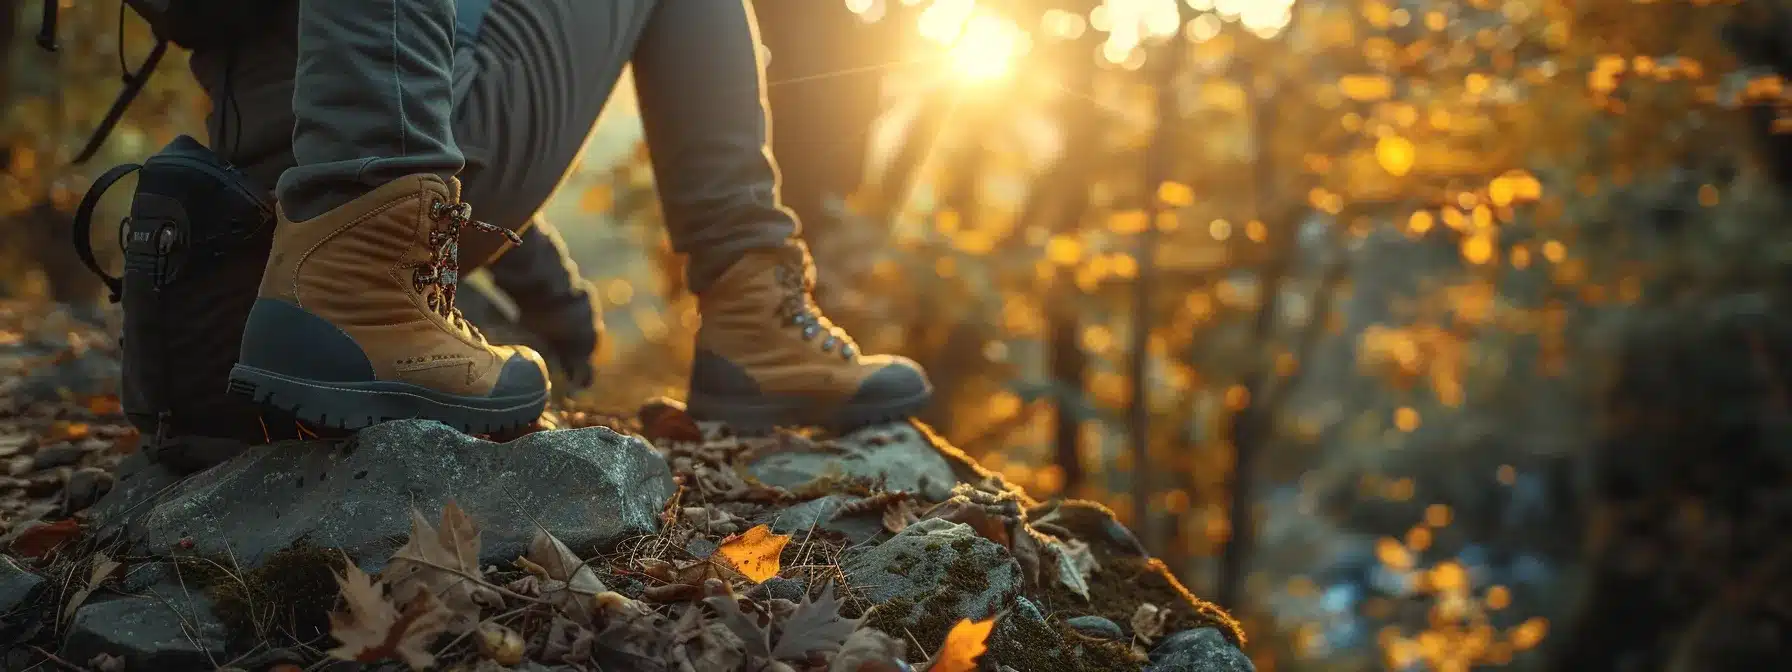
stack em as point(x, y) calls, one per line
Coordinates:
point(819, 514)
point(935, 571)
point(590, 487)
point(1096, 626)
point(779, 588)
point(896, 453)
point(1198, 650)
point(137, 481)
point(154, 632)
point(19, 593)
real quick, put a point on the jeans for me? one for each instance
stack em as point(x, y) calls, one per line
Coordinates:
point(341, 96)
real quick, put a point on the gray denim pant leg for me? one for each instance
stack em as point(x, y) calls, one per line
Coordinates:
point(372, 100)
point(708, 133)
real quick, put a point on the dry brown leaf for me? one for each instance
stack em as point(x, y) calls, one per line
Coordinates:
point(103, 568)
point(1148, 621)
point(373, 630)
point(445, 563)
point(899, 515)
point(1081, 557)
point(1065, 567)
point(870, 650)
point(754, 553)
point(503, 645)
point(816, 625)
point(744, 625)
point(567, 642)
point(579, 585)
point(960, 509)
point(964, 644)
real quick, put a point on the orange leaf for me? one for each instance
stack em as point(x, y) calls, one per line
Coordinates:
point(754, 553)
point(963, 646)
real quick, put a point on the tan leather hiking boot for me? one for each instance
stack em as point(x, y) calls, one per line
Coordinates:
point(766, 356)
point(355, 323)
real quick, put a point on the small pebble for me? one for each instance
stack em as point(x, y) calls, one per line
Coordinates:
point(1096, 626)
point(20, 465)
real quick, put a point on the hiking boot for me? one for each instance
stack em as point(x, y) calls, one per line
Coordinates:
point(766, 356)
point(356, 324)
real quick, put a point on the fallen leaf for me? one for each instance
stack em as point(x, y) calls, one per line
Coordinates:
point(103, 568)
point(899, 515)
point(373, 630)
point(567, 642)
point(1081, 557)
point(503, 645)
point(37, 539)
point(1148, 621)
point(106, 662)
point(754, 553)
point(1066, 570)
point(870, 650)
point(664, 419)
point(960, 509)
point(815, 626)
point(580, 583)
point(743, 625)
point(964, 644)
point(444, 563)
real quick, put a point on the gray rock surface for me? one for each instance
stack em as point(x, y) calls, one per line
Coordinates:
point(1198, 650)
point(938, 567)
point(819, 514)
point(894, 452)
point(164, 630)
point(1096, 626)
point(20, 590)
point(590, 487)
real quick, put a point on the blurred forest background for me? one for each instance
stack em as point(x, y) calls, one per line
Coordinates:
point(1425, 335)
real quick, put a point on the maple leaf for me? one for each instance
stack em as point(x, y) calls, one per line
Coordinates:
point(373, 629)
point(816, 625)
point(578, 584)
point(444, 563)
point(964, 644)
point(743, 625)
point(754, 553)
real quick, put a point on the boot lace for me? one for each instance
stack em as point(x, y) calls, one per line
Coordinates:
point(438, 278)
point(799, 310)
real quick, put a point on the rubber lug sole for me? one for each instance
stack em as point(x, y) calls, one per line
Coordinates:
point(758, 414)
point(352, 406)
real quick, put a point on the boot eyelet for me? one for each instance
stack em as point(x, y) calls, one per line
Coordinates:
point(810, 331)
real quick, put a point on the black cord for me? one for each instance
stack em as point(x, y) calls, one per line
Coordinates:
point(124, 70)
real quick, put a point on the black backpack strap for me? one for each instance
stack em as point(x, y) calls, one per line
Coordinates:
point(83, 229)
point(133, 85)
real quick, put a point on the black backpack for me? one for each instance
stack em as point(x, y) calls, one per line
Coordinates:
point(195, 244)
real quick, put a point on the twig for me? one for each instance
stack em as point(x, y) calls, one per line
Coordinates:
point(52, 658)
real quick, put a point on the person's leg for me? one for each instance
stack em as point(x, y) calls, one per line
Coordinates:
point(529, 86)
point(356, 322)
point(765, 355)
